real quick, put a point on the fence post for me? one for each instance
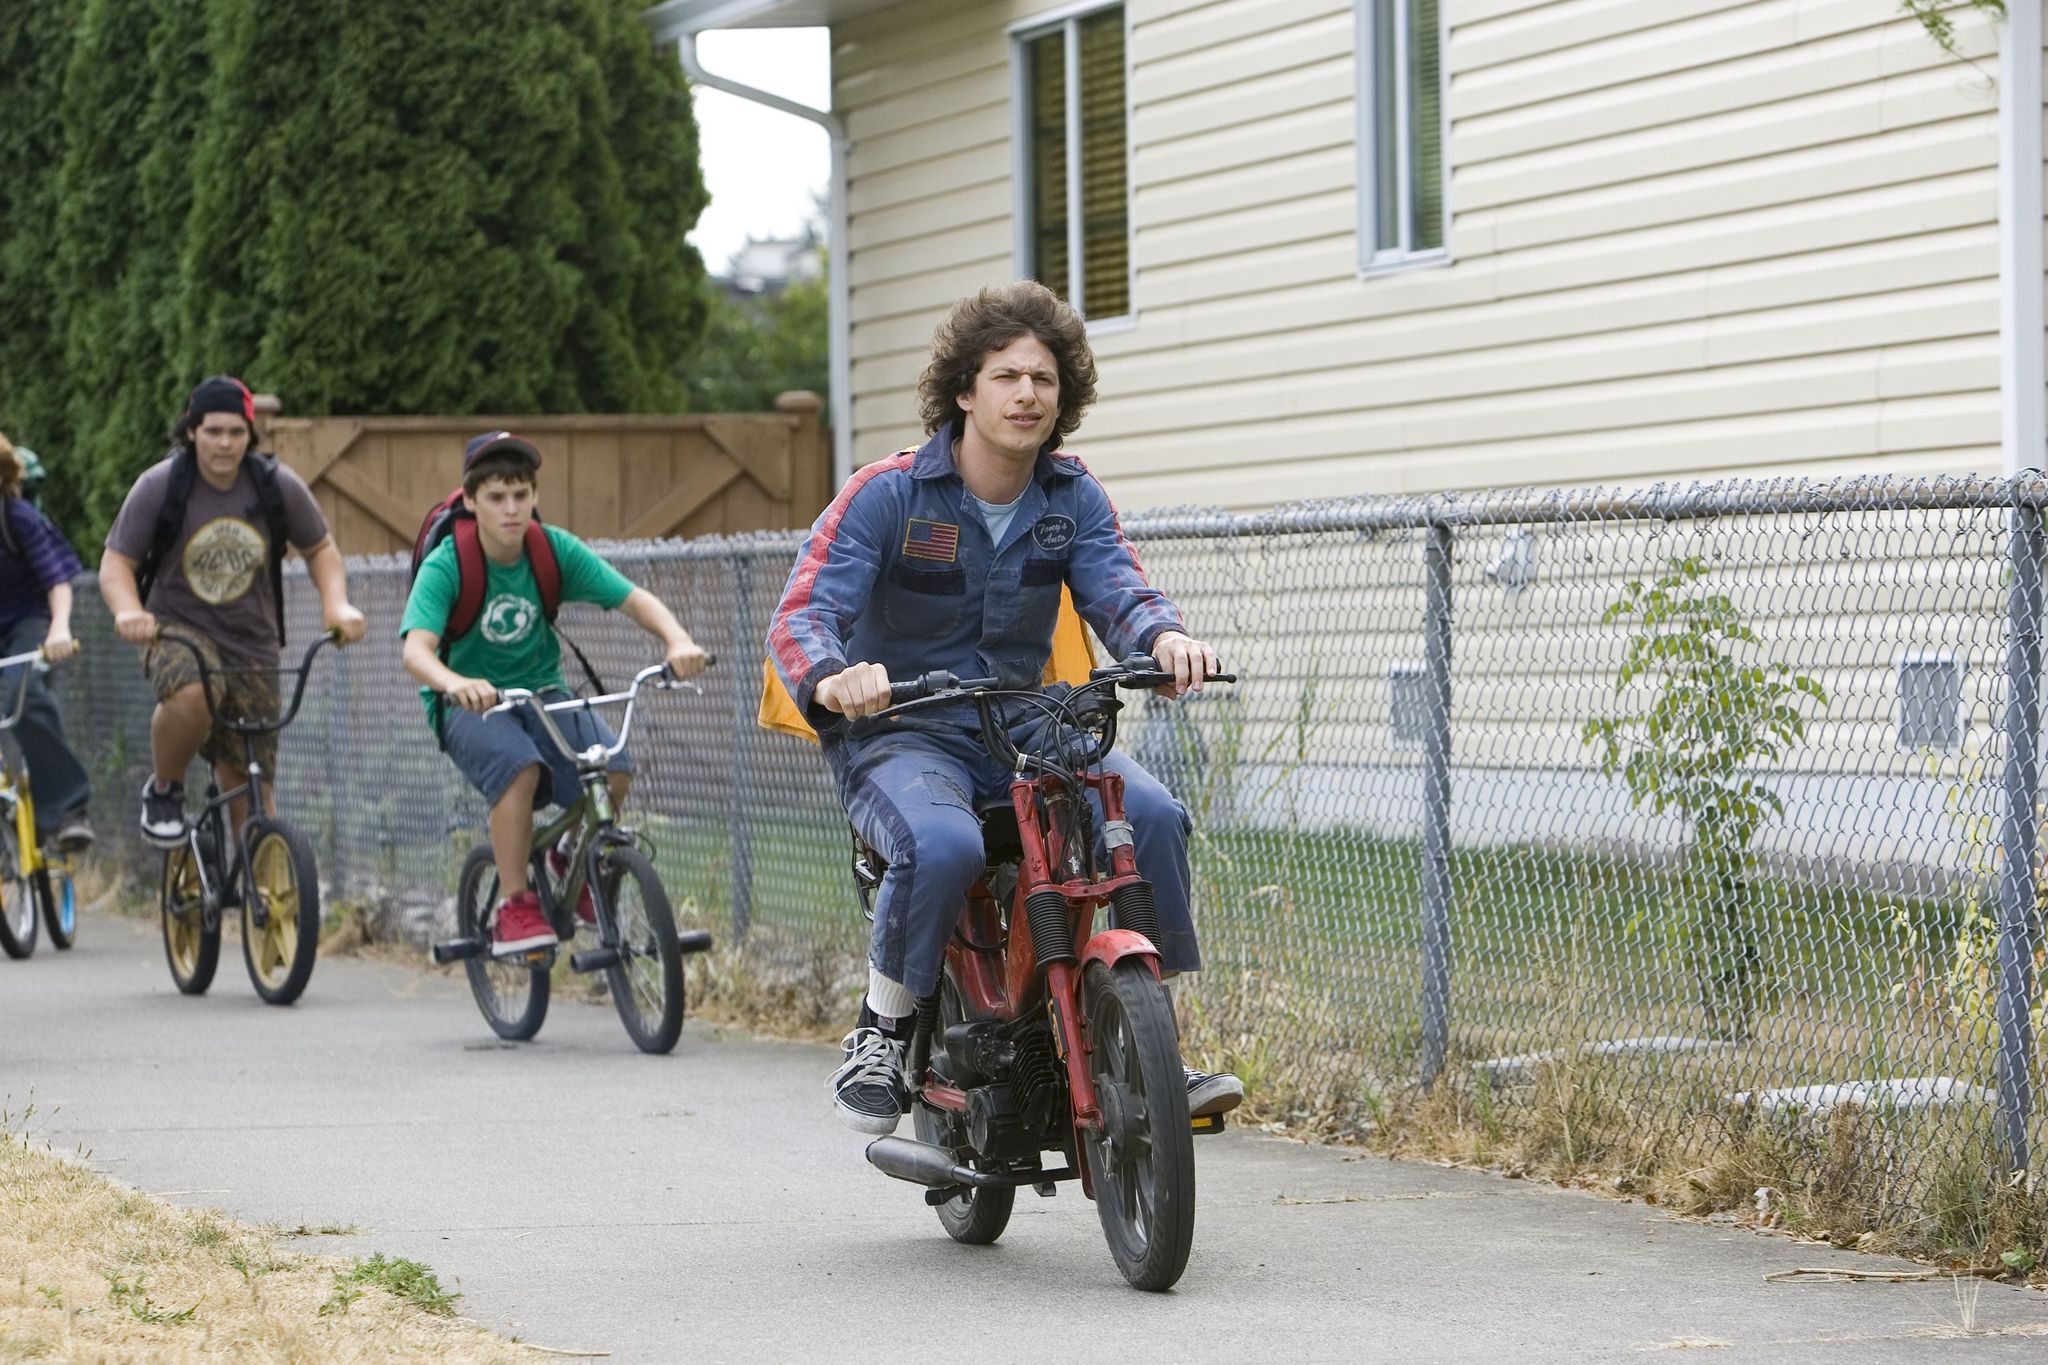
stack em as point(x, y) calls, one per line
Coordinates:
point(2021, 839)
point(337, 777)
point(1436, 807)
point(742, 751)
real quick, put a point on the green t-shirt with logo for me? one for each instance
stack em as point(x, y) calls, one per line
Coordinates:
point(511, 644)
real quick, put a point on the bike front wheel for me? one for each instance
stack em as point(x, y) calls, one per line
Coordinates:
point(59, 899)
point(1143, 1156)
point(17, 894)
point(191, 949)
point(647, 980)
point(283, 881)
point(512, 995)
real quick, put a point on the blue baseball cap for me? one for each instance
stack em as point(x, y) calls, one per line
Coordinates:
point(491, 442)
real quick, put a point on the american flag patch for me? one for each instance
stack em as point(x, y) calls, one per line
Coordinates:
point(936, 540)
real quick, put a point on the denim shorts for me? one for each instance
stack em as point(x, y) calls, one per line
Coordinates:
point(491, 751)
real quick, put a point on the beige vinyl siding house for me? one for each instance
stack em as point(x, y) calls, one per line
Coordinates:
point(1685, 238)
point(1629, 241)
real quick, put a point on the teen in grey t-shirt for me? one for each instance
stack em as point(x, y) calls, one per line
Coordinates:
point(215, 576)
point(213, 588)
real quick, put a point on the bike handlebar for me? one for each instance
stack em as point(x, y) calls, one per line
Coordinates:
point(35, 657)
point(511, 697)
point(244, 727)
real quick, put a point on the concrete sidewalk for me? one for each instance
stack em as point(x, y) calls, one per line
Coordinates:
point(707, 1207)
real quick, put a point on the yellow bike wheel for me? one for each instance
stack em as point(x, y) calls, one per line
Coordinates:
point(279, 950)
point(190, 948)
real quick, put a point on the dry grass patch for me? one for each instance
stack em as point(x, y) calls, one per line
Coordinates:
point(90, 1271)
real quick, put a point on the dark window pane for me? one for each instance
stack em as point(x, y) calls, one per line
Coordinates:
point(1105, 175)
point(1045, 80)
point(1386, 129)
point(1425, 121)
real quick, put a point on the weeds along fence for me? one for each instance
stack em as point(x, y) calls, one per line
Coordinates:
point(1715, 801)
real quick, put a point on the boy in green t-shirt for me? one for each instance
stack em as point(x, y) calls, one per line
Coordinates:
point(508, 757)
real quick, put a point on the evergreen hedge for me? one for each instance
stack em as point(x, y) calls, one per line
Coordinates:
point(366, 206)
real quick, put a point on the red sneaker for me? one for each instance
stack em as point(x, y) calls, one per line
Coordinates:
point(558, 868)
point(521, 927)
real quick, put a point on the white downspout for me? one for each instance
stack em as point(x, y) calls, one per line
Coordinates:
point(2023, 388)
point(838, 284)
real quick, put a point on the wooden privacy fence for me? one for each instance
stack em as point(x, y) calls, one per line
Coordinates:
point(605, 477)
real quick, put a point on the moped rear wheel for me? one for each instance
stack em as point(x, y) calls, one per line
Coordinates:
point(977, 1217)
point(1143, 1157)
point(512, 995)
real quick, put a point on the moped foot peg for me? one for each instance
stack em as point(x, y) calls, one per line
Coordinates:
point(694, 941)
point(594, 959)
point(1206, 1123)
point(457, 949)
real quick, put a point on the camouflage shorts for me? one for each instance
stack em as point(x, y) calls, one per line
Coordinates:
point(240, 690)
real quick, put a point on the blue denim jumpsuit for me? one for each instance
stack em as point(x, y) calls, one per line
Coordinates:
point(900, 571)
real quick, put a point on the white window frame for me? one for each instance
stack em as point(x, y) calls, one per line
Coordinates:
point(1374, 258)
point(1067, 19)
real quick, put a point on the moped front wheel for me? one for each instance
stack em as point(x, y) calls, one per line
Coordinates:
point(974, 1217)
point(1143, 1156)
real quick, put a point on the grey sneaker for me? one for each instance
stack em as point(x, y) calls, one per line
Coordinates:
point(74, 833)
point(1212, 1094)
point(163, 814)
point(867, 1089)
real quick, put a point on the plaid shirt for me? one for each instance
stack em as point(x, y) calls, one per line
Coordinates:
point(37, 560)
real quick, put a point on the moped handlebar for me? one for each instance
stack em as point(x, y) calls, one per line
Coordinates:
point(939, 688)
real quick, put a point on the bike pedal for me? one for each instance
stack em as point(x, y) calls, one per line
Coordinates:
point(1045, 1189)
point(457, 950)
point(594, 959)
point(1206, 1123)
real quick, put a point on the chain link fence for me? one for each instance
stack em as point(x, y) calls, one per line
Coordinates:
point(1717, 802)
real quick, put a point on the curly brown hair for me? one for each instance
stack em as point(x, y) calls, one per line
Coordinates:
point(990, 320)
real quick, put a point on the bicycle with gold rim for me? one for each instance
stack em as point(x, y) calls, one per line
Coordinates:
point(32, 877)
point(266, 871)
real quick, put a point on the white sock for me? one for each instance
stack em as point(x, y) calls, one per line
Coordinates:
point(888, 999)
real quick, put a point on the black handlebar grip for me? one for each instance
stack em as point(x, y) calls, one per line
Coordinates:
point(911, 690)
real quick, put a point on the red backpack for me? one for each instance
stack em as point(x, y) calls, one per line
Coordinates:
point(449, 517)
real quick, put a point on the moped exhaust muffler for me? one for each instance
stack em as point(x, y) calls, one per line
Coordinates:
point(922, 1163)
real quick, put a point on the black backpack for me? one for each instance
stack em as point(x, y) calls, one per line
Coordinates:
point(170, 521)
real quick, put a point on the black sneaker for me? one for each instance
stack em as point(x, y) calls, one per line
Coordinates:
point(867, 1089)
point(163, 814)
point(1212, 1094)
